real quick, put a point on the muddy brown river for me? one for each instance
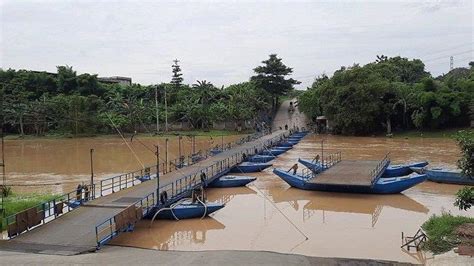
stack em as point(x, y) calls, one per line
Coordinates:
point(267, 214)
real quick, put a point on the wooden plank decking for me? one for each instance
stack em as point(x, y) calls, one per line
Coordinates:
point(348, 172)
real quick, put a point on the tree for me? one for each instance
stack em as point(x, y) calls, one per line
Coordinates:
point(271, 78)
point(465, 140)
point(67, 80)
point(177, 78)
point(465, 198)
point(205, 93)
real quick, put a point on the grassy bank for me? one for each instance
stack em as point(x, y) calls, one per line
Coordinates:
point(442, 233)
point(444, 133)
point(19, 202)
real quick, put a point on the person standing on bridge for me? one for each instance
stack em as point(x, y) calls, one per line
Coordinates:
point(203, 179)
point(294, 168)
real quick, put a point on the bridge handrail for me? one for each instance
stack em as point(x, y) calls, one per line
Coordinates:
point(112, 184)
point(47, 211)
point(146, 204)
point(375, 173)
point(178, 188)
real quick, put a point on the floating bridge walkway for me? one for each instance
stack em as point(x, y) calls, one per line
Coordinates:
point(65, 230)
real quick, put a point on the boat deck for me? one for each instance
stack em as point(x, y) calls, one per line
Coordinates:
point(347, 172)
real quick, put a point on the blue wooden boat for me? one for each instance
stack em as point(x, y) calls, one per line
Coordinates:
point(285, 144)
point(294, 139)
point(402, 169)
point(382, 186)
point(74, 204)
point(189, 210)
point(249, 167)
point(272, 151)
point(215, 151)
point(143, 178)
point(442, 175)
point(282, 148)
point(232, 181)
point(311, 165)
point(261, 158)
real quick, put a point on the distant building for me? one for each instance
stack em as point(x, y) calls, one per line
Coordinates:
point(117, 80)
point(110, 80)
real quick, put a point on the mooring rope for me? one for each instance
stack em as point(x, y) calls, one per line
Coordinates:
point(126, 143)
point(278, 209)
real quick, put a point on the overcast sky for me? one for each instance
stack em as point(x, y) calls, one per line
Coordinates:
point(223, 41)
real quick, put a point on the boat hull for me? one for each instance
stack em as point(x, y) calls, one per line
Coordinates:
point(447, 176)
point(402, 169)
point(383, 186)
point(231, 181)
point(189, 211)
point(248, 167)
point(272, 152)
point(261, 158)
point(285, 144)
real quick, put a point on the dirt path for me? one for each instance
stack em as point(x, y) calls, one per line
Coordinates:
point(294, 119)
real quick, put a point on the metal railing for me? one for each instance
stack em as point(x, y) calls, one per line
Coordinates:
point(377, 171)
point(109, 228)
point(47, 211)
point(177, 190)
point(331, 159)
point(50, 210)
point(123, 181)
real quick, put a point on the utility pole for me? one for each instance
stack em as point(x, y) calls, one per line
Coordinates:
point(179, 149)
point(222, 142)
point(451, 63)
point(322, 153)
point(2, 209)
point(167, 168)
point(166, 112)
point(156, 107)
point(157, 173)
point(92, 175)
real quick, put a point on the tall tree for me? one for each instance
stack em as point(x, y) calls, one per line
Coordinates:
point(271, 77)
point(177, 78)
point(67, 79)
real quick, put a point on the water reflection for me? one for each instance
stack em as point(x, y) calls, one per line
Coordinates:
point(314, 201)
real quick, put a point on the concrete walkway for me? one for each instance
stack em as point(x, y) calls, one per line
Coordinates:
point(112, 255)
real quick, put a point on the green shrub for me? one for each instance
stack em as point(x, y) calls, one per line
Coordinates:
point(441, 231)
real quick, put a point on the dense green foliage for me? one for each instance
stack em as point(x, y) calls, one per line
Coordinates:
point(465, 140)
point(465, 198)
point(390, 93)
point(272, 78)
point(441, 231)
point(66, 103)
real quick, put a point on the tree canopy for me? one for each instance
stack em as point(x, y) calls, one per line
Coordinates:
point(271, 77)
point(390, 93)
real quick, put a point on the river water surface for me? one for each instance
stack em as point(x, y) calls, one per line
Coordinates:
point(267, 214)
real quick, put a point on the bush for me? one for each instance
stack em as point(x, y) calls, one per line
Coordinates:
point(441, 231)
point(465, 198)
